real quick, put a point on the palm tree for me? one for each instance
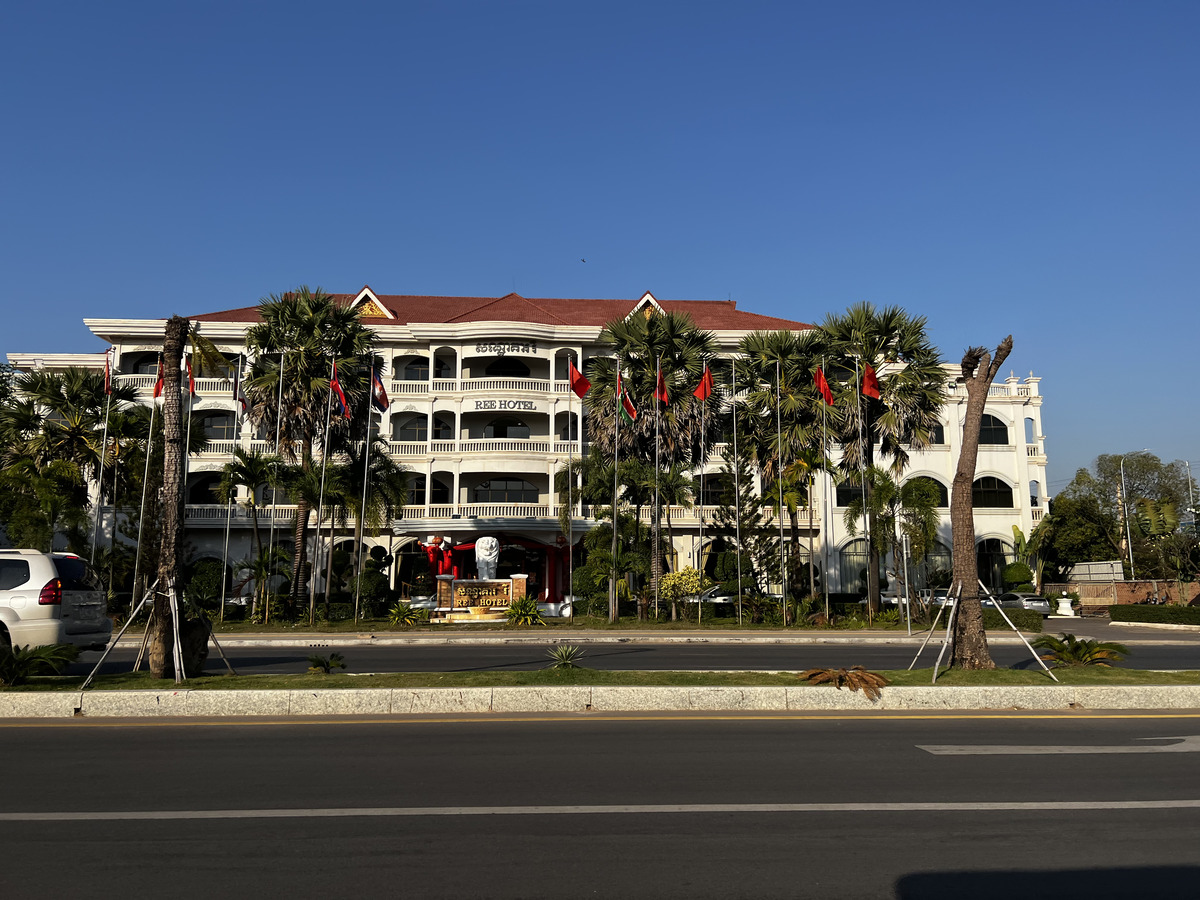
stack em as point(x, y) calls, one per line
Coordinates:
point(301, 335)
point(780, 416)
point(667, 435)
point(251, 469)
point(911, 393)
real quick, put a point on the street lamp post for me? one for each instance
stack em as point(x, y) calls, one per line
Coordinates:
point(1191, 500)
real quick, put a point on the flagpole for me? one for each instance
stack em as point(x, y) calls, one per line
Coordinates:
point(237, 432)
point(572, 436)
point(657, 464)
point(137, 558)
point(275, 487)
point(703, 460)
point(187, 441)
point(779, 479)
point(862, 469)
point(362, 510)
point(826, 487)
point(312, 584)
point(613, 611)
point(737, 485)
point(103, 454)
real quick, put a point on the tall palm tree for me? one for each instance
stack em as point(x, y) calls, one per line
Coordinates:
point(668, 435)
point(780, 416)
point(912, 385)
point(300, 335)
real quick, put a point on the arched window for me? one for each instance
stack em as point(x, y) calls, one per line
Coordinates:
point(1030, 432)
point(219, 427)
point(852, 563)
point(139, 363)
point(506, 427)
point(506, 367)
point(992, 431)
point(411, 428)
point(568, 427)
point(443, 428)
point(934, 570)
point(204, 489)
point(439, 491)
point(991, 493)
point(416, 490)
point(415, 370)
point(937, 434)
point(506, 490)
point(943, 494)
point(1035, 494)
point(991, 556)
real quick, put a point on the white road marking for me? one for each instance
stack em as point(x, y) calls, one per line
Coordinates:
point(1186, 744)
point(633, 809)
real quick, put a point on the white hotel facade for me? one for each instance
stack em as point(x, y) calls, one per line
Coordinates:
point(482, 416)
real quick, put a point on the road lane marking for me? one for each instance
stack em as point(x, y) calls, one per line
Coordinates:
point(1185, 744)
point(1040, 806)
point(566, 717)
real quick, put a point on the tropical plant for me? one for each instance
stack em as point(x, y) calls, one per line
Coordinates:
point(780, 417)
point(969, 645)
point(19, 664)
point(253, 470)
point(911, 389)
point(687, 582)
point(1068, 650)
point(406, 616)
point(324, 665)
point(676, 433)
point(856, 678)
point(524, 611)
point(564, 656)
point(300, 336)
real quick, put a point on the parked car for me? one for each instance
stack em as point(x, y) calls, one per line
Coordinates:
point(711, 595)
point(51, 598)
point(1034, 602)
point(557, 608)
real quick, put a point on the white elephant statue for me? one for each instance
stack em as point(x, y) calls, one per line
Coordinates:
point(487, 555)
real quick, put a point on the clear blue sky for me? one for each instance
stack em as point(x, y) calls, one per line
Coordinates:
point(1024, 167)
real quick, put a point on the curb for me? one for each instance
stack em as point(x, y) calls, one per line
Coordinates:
point(426, 701)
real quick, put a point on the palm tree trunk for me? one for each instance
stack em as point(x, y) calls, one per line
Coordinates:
point(970, 648)
point(172, 496)
point(812, 578)
point(299, 534)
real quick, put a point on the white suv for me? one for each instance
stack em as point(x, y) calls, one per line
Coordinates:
point(51, 598)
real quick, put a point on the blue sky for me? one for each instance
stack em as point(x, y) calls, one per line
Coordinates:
point(996, 167)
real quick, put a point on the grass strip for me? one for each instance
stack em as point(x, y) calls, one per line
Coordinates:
point(1093, 675)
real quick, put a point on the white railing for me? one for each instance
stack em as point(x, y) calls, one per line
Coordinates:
point(408, 448)
point(410, 387)
point(219, 448)
point(511, 445)
point(481, 511)
point(1038, 514)
point(1033, 451)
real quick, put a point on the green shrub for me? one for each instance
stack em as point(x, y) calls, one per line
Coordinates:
point(1068, 650)
point(406, 616)
point(19, 664)
point(524, 612)
point(1016, 574)
point(564, 656)
point(1024, 619)
point(1163, 615)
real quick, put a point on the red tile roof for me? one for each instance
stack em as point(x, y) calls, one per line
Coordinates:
point(710, 315)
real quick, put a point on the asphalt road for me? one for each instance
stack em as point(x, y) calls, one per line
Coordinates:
point(605, 806)
point(645, 656)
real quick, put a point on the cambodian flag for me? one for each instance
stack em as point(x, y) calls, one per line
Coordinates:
point(379, 397)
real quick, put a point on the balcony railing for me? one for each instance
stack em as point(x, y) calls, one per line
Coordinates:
point(491, 385)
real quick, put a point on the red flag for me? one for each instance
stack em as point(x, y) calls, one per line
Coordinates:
point(107, 375)
point(624, 404)
point(660, 389)
point(335, 387)
point(238, 394)
point(379, 397)
point(704, 390)
point(158, 385)
point(579, 384)
point(823, 387)
point(870, 384)
point(191, 380)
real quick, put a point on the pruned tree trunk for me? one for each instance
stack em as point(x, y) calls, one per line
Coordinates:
point(970, 648)
point(296, 589)
point(172, 498)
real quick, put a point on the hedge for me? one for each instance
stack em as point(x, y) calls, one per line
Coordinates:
point(1024, 619)
point(1163, 615)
